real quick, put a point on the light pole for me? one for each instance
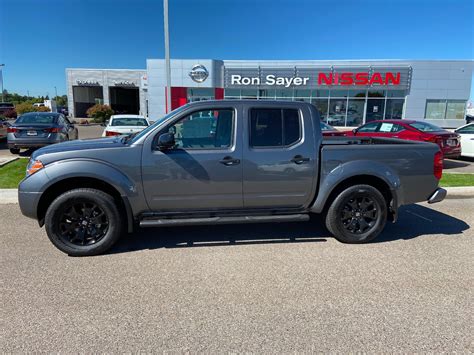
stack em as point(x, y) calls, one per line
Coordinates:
point(56, 92)
point(1, 77)
point(167, 57)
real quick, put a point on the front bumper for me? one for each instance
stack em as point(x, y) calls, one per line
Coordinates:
point(438, 196)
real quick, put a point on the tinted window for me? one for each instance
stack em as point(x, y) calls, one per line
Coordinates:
point(291, 132)
point(274, 127)
point(37, 118)
point(325, 127)
point(468, 129)
point(369, 127)
point(129, 121)
point(425, 127)
point(207, 129)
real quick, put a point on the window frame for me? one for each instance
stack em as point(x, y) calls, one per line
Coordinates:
point(301, 128)
point(168, 126)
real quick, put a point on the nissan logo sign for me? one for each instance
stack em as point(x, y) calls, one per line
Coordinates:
point(199, 73)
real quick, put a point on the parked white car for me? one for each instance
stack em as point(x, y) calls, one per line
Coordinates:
point(467, 139)
point(125, 124)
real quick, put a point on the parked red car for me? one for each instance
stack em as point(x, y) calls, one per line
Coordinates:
point(330, 131)
point(449, 142)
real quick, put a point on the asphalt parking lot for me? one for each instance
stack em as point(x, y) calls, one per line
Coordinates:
point(245, 288)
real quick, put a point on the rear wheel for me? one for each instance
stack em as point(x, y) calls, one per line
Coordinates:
point(357, 215)
point(15, 150)
point(83, 222)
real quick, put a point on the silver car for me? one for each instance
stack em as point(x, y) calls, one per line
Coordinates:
point(38, 129)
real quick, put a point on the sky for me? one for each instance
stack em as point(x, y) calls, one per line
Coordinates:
point(40, 38)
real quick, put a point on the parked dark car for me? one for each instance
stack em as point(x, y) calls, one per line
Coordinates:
point(37, 129)
point(5, 107)
point(449, 142)
point(3, 128)
point(265, 161)
point(64, 110)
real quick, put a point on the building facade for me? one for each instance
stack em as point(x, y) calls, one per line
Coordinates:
point(124, 90)
point(346, 93)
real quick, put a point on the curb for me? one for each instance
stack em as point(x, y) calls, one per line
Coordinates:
point(9, 160)
point(8, 196)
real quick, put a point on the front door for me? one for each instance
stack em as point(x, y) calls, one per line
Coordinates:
point(280, 158)
point(203, 171)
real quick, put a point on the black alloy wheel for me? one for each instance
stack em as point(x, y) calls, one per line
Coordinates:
point(83, 223)
point(357, 215)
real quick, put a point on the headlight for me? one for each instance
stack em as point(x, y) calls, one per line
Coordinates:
point(33, 167)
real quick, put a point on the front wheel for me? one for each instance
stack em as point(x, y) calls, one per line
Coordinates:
point(357, 215)
point(15, 150)
point(83, 222)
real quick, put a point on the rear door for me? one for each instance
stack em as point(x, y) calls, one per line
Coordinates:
point(203, 171)
point(280, 156)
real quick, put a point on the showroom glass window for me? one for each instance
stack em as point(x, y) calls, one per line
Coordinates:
point(274, 127)
point(445, 109)
point(207, 129)
point(339, 106)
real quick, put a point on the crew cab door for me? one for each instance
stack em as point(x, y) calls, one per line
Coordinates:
point(203, 171)
point(281, 150)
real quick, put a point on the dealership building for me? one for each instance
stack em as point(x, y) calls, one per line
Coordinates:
point(346, 92)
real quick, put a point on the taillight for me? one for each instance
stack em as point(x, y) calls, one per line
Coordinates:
point(111, 133)
point(438, 165)
point(433, 139)
point(12, 130)
point(53, 130)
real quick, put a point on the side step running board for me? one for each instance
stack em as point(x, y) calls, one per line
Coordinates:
point(167, 222)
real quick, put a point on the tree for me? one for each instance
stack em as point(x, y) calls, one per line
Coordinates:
point(100, 113)
point(28, 107)
point(62, 100)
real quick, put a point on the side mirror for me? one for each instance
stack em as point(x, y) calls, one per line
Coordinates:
point(166, 141)
point(354, 130)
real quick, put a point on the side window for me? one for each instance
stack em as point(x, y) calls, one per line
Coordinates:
point(369, 127)
point(207, 129)
point(397, 128)
point(274, 127)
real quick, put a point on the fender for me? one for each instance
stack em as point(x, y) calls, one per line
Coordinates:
point(82, 168)
point(336, 172)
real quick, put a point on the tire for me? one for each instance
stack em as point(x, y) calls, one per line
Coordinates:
point(15, 150)
point(357, 215)
point(83, 222)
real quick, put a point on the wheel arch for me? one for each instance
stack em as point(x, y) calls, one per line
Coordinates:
point(386, 189)
point(71, 183)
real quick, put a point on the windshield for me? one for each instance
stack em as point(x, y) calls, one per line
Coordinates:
point(136, 137)
point(326, 127)
point(129, 121)
point(37, 118)
point(425, 127)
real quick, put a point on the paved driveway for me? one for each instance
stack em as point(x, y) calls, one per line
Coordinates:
point(255, 288)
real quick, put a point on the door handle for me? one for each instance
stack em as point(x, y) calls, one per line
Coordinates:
point(299, 159)
point(229, 161)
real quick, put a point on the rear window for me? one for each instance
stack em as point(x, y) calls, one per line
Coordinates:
point(274, 127)
point(129, 121)
point(37, 118)
point(425, 127)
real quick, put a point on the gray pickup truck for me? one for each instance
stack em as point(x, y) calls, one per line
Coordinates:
point(217, 162)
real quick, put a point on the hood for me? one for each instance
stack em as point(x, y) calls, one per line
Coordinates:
point(78, 145)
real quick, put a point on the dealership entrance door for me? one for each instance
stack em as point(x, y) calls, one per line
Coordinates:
point(85, 97)
point(124, 100)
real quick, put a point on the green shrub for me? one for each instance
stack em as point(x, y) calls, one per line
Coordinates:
point(100, 113)
point(28, 107)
